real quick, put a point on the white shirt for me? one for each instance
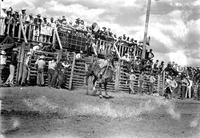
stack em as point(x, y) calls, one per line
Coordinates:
point(41, 63)
point(36, 48)
point(52, 65)
point(27, 60)
point(65, 65)
point(126, 58)
point(2, 60)
point(152, 79)
point(78, 56)
point(132, 77)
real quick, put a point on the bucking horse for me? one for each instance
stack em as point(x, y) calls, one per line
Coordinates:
point(102, 71)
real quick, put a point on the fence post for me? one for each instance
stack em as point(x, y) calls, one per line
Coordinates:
point(163, 83)
point(20, 64)
point(117, 76)
point(158, 84)
point(72, 71)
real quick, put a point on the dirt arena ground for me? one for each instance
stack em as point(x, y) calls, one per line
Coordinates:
point(33, 112)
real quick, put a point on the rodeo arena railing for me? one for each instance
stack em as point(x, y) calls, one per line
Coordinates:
point(57, 54)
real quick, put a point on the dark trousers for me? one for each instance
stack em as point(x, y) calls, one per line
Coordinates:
point(40, 77)
point(151, 87)
point(54, 79)
point(183, 91)
point(1, 68)
point(60, 78)
point(25, 75)
point(198, 92)
point(50, 77)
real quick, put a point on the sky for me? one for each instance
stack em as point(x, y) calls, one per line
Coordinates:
point(174, 25)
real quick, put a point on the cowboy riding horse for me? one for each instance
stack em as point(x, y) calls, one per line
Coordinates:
point(102, 71)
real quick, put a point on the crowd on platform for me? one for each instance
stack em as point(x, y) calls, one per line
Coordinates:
point(178, 79)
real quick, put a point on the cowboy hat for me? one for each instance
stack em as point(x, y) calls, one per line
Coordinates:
point(29, 53)
point(42, 57)
point(15, 49)
point(3, 52)
point(40, 44)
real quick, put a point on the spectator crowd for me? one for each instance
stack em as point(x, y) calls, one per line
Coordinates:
point(181, 82)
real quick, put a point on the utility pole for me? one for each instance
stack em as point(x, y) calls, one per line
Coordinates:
point(0, 7)
point(146, 29)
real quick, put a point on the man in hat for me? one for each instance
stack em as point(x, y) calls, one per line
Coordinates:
point(132, 78)
point(184, 84)
point(26, 69)
point(37, 22)
point(12, 66)
point(141, 80)
point(40, 65)
point(51, 70)
point(63, 65)
point(2, 63)
point(23, 15)
point(152, 81)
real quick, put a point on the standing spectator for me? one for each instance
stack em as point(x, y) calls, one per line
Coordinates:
point(26, 69)
point(37, 22)
point(23, 16)
point(152, 81)
point(2, 63)
point(155, 67)
point(132, 79)
point(51, 70)
point(137, 63)
point(161, 66)
point(8, 22)
point(168, 88)
point(141, 82)
point(62, 66)
point(12, 66)
point(40, 65)
point(150, 54)
point(16, 24)
point(63, 20)
point(185, 83)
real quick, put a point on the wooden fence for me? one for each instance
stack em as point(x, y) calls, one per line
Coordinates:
point(158, 85)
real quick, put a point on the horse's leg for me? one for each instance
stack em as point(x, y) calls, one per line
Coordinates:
point(86, 83)
point(100, 92)
point(105, 87)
